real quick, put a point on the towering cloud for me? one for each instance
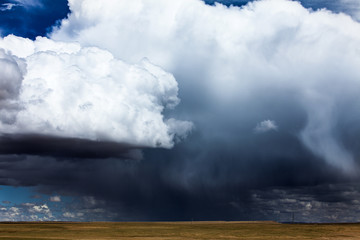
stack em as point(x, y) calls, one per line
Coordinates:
point(236, 57)
point(85, 93)
point(269, 65)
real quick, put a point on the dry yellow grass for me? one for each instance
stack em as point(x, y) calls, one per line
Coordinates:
point(177, 230)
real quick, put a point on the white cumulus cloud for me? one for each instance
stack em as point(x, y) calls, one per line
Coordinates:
point(87, 93)
point(7, 6)
point(265, 126)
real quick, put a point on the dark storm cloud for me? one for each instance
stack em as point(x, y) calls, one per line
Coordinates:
point(321, 203)
point(210, 181)
point(202, 179)
point(295, 80)
point(44, 145)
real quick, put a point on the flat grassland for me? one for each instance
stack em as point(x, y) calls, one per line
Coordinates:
point(176, 230)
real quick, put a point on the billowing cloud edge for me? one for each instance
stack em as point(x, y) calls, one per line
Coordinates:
point(67, 90)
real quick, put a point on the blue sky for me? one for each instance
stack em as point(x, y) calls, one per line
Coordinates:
point(31, 18)
point(145, 110)
point(15, 195)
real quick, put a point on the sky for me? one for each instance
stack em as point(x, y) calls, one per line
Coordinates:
point(157, 110)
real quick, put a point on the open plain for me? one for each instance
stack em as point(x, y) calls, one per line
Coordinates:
point(176, 230)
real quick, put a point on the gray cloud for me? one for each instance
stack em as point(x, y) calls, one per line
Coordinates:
point(11, 76)
point(350, 7)
point(234, 64)
point(323, 203)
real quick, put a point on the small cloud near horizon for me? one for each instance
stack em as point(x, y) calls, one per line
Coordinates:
point(265, 126)
point(55, 199)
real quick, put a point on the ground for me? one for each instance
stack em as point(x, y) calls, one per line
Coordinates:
point(177, 230)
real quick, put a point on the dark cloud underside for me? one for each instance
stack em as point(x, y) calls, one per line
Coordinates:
point(44, 145)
